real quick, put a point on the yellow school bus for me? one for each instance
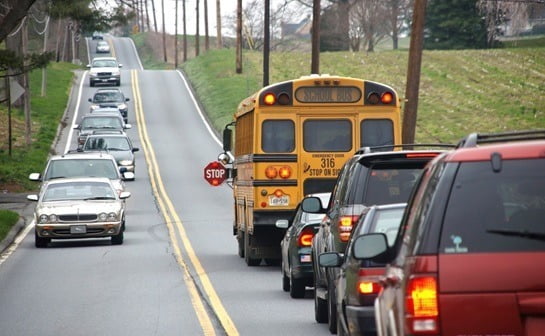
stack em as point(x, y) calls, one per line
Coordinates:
point(291, 139)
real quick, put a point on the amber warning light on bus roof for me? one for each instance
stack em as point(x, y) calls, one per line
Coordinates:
point(215, 173)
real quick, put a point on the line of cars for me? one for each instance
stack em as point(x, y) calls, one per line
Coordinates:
point(427, 242)
point(83, 192)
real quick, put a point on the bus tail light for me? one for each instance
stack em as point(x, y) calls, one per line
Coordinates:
point(422, 308)
point(346, 223)
point(373, 98)
point(387, 98)
point(305, 237)
point(269, 99)
point(271, 172)
point(285, 172)
point(284, 99)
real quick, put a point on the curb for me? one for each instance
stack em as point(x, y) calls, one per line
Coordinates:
point(12, 234)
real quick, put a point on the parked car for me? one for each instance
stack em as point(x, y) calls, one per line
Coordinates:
point(119, 145)
point(468, 258)
point(296, 267)
point(102, 47)
point(83, 165)
point(111, 97)
point(92, 122)
point(370, 177)
point(79, 208)
point(104, 70)
point(358, 283)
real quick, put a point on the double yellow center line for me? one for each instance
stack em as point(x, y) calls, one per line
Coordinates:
point(178, 234)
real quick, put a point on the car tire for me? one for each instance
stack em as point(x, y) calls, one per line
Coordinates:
point(285, 280)
point(40, 241)
point(297, 287)
point(331, 308)
point(118, 239)
point(320, 307)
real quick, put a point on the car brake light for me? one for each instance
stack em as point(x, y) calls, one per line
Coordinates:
point(305, 237)
point(368, 287)
point(346, 223)
point(421, 305)
point(421, 155)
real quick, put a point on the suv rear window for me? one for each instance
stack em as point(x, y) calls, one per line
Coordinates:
point(501, 211)
point(385, 182)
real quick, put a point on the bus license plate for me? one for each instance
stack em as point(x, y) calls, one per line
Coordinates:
point(279, 201)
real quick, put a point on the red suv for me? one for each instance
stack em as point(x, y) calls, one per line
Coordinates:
point(469, 256)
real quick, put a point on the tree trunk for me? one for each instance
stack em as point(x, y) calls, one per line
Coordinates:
point(219, 42)
point(176, 35)
point(239, 38)
point(206, 36)
point(185, 32)
point(26, 86)
point(154, 15)
point(164, 32)
point(197, 29)
point(13, 11)
point(147, 15)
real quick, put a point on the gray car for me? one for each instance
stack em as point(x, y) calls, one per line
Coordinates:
point(118, 145)
point(79, 208)
point(96, 121)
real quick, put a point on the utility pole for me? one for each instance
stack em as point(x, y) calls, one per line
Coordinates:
point(185, 32)
point(239, 38)
point(315, 58)
point(26, 86)
point(164, 33)
point(413, 72)
point(176, 36)
point(266, 43)
point(218, 25)
point(206, 37)
point(197, 47)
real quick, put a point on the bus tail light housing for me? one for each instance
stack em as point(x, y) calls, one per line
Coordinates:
point(269, 98)
point(305, 237)
point(346, 224)
point(271, 172)
point(387, 98)
point(422, 308)
point(284, 172)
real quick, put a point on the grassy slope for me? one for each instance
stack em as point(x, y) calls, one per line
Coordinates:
point(460, 91)
point(46, 114)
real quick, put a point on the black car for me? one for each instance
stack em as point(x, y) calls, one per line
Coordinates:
point(358, 283)
point(110, 98)
point(369, 178)
point(296, 269)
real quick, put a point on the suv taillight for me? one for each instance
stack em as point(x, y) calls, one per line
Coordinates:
point(305, 237)
point(346, 223)
point(422, 310)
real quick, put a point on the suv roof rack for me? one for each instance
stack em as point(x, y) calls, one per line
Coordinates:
point(473, 139)
point(373, 149)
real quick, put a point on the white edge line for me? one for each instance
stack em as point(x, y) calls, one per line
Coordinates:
point(212, 133)
point(75, 117)
point(136, 52)
point(16, 242)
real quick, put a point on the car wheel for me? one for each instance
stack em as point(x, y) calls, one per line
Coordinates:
point(285, 279)
point(118, 239)
point(39, 241)
point(331, 308)
point(320, 307)
point(297, 287)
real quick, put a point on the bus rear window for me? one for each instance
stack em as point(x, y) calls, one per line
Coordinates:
point(327, 135)
point(377, 132)
point(278, 136)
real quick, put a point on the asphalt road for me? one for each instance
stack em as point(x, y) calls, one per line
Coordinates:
point(177, 272)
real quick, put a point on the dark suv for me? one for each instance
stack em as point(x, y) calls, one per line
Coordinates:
point(110, 98)
point(369, 178)
point(469, 256)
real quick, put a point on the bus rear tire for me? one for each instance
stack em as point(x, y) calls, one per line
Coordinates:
point(240, 239)
point(249, 261)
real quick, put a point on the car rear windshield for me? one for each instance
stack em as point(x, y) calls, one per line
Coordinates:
point(501, 210)
point(385, 183)
point(81, 167)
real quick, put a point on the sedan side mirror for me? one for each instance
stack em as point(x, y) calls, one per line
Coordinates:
point(312, 205)
point(90, 100)
point(33, 198)
point(127, 126)
point(135, 149)
point(372, 246)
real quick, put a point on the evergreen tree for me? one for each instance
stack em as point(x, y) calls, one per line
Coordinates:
point(454, 24)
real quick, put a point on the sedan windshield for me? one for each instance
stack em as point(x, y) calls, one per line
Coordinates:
point(81, 167)
point(101, 122)
point(107, 143)
point(105, 64)
point(78, 191)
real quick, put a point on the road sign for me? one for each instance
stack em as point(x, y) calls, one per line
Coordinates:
point(215, 173)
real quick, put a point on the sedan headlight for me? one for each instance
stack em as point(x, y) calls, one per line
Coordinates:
point(47, 219)
point(93, 74)
point(122, 106)
point(126, 162)
point(116, 73)
point(107, 217)
point(94, 107)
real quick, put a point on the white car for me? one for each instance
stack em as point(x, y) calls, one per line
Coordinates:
point(104, 70)
point(102, 47)
point(85, 207)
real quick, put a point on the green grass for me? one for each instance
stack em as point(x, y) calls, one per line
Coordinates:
point(8, 218)
point(46, 115)
point(146, 54)
point(461, 91)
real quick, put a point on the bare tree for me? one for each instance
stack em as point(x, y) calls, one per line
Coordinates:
point(197, 37)
point(154, 15)
point(185, 31)
point(501, 12)
point(11, 14)
point(367, 23)
point(164, 32)
point(219, 41)
point(206, 37)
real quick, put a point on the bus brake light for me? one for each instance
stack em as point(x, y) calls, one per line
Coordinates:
point(387, 98)
point(271, 172)
point(285, 172)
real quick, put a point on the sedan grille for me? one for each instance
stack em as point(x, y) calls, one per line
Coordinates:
point(104, 73)
point(78, 218)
